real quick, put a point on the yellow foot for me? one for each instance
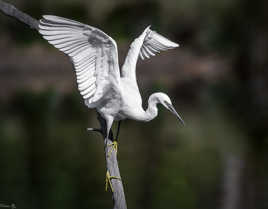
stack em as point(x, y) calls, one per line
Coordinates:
point(114, 146)
point(108, 181)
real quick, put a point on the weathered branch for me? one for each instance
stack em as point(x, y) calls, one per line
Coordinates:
point(113, 169)
point(110, 152)
point(12, 11)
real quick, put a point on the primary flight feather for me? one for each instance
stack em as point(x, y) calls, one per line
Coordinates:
point(95, 60)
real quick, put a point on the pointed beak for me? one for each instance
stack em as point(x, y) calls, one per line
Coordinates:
point(172, 109)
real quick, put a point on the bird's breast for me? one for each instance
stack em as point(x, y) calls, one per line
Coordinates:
point(131, 106)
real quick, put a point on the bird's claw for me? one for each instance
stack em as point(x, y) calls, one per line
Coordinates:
point(95, 129)
point(108, 181)
point(114, 146)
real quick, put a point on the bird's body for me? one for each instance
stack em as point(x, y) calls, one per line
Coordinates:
point(114, 94)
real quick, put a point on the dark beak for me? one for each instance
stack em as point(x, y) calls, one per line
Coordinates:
point(172, 109)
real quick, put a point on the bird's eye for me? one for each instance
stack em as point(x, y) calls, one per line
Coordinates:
point(166, 103)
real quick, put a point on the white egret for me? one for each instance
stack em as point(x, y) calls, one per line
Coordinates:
point(94, 55)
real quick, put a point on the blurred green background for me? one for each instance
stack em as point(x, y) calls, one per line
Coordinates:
point(217, 79)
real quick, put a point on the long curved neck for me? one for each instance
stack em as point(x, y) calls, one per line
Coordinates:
point(151, 111)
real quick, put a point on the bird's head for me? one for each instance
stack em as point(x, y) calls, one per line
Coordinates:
point(164, 99)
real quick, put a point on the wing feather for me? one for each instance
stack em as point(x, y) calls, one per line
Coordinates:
point(148, 44)
point(148, 51)
point(153, 49)
point(92, 52)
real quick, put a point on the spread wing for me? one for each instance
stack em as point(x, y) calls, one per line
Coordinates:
point(92, 52)
point(148, 44)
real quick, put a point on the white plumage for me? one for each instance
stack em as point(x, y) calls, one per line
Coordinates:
point(95, 59)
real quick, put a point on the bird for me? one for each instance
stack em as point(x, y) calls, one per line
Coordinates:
point(113, 93)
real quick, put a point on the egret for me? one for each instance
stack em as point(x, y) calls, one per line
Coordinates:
point(94, 56)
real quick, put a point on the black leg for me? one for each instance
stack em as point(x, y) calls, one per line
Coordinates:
point(118, 129)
